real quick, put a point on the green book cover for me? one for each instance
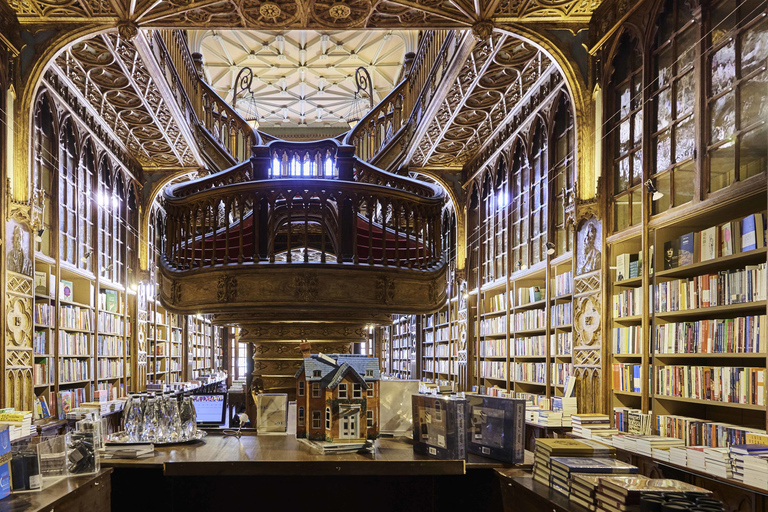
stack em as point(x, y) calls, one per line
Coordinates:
point(66, 290)
point(111, 301)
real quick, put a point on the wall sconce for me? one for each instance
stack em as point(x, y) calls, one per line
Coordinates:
point(655, 194)
point(550, 248)
point(108, 268)
point(39, 235)
point(85, 257)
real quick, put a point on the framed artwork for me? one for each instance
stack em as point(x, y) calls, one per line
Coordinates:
point(589, 241)
point(17, 257)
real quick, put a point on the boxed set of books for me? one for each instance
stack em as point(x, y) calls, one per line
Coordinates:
point(496, 427)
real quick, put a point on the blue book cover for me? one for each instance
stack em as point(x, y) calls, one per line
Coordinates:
point(5, 458)
point(686, 249)
point(592, 465)
point(748, 234)
point(636, 374)
point(749, 449)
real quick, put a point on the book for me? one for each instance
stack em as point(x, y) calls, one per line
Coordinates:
point(591, 465)
point(710, 244)
point(726, 239)
point(634, 269)
point(66, 291)
point(41, 283)
point(110, 301)
point(686, 250)
point(671, 254)
point(625, 486)
point(748, 234)
point(622, 267)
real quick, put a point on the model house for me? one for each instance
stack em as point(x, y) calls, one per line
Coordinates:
point(337, 398)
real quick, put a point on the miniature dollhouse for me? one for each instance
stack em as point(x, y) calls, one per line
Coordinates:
point(337, 398)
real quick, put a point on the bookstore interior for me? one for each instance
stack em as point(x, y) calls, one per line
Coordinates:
point(448, 255)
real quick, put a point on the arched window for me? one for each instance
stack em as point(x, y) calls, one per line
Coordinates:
point(488, 216)
point(106, 241)
point(85, 209)
point(539, 194)
point(474, 241)
point(674, 94)
point(118, 230)
point(562, 175)
point(131, 216)
point(44, 170)
point(626, 131)
point(68, 195)
point(737, 93)
point(520, 180)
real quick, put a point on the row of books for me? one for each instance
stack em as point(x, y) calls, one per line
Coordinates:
point(530, 320)
point(111, 301)
point(42, 372)
point(431, 351)
point(109, 346)
point(493, 326)
point(530, 372)
point(73, 370)
point(441, 334)
point(726, 239)
point(530, 346)
point(632, 421)
point(74, 343)
point(561, 343)
point(628, 302)
point(562, 314)
point(67, 400)
point(108, 391)
point(559, 372)
point(111, 324)
point(626, 377)
point(629, 265)
point(562, 284)
point(44, 314)
point(724, 288)
point(493, 370)
point(529, 295)
point(698, 432)
point(715, 383)
point(75, 317)
point(722, 335)
point(495, 303)
point(109, 368)
point(39, 345)
point(493, 348)
point(627, 340)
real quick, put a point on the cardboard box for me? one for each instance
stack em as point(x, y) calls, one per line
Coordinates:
point(439, 426)
point(496, 427)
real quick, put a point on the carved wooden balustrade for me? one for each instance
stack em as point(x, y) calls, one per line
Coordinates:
point(200, 103)
point(310, 205)
point(356, 212)
point(387, 121)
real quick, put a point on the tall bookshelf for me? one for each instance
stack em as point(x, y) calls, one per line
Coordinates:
point(438, 347)
point(674, 354)
point(403, 345)
point(560, 296)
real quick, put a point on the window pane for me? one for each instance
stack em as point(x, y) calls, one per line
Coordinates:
point(636, 208)
point(754, 48)
point(722, 20)
point(662, 185)
point(685, 91)
point(664, 66)
point(721, 167)
point(752, 154)
point(686, 44)
point(663, 109)
point(621, 212)
point(754, 106)
point(684, 178)
point(663, 151)
point(685, 142)
point(723, 68)
point(722, 118)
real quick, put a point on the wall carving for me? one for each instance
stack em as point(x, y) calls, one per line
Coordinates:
point(305, 287)
point(385, 290)
point(297, 331)
point(226, 289)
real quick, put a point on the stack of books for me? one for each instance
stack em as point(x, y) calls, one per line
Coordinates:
point(550, 419)
point(548, 448)
point(565, 405)
point(755, 471)
point(717, 461)
point(648, 444)
point(561, 469)
point(740, 451)
point(623, 493)
point(19, 423)
point(590, 421)
point(584, 489)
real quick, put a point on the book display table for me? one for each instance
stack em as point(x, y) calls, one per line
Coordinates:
point(524, 493)
point(280, 473)
point(535, 431)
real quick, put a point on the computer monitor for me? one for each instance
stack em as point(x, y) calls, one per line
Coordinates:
point(211, 408)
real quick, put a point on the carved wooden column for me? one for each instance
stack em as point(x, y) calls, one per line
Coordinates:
point(587, 305)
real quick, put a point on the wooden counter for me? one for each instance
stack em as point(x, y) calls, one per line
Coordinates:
point(77, 493)
point(202, 476)
point(524, 493)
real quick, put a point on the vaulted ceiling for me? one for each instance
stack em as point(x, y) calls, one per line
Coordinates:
point(301, 78)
